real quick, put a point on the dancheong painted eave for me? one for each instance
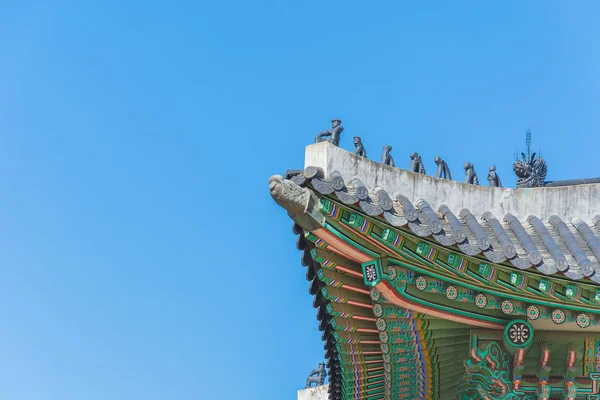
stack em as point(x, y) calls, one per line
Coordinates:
point(412, 275)
point(433, 289)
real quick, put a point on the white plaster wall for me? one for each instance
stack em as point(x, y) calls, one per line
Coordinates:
point(569, 201)
point(316, 393)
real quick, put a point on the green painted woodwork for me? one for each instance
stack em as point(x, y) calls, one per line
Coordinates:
point(488, 375)
point(392, 238)
point(592, 356)
point(372, 272)
point(402, 354)
point(518, 334)
point(359, 223)
point(417, 349)
point(573, 292)
point(457, 262)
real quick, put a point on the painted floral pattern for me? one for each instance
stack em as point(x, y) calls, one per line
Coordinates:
point(558, 316)
point(508, 307)
point(533, 313)
point(451, 292)
point(519, 333)
point(583, 320)
point(481, 300)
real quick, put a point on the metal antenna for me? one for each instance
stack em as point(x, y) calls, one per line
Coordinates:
point(528, 143)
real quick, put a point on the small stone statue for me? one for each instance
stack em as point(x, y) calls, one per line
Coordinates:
point(416, 164)
point(317, 376)
point(493, 177)
point(443, 171)
point(333, 134)
point(470, 175)
point(359, 148)
point(386, 157)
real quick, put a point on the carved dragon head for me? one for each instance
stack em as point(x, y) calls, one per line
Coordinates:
point(288, 194)
point(522, 169)
point(531, 172)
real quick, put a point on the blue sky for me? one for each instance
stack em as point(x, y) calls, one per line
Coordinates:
point(141, 254)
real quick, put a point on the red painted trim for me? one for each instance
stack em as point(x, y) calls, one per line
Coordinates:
point(392, 296)
point(572, 358)
point(364, 318)
point(520, 356)
point(355, 289)
point(545, 357)
point(356, 303)
point(370, 341)
point(341, 247)
point(365, 330)
point(377, 244)
point(349, 271)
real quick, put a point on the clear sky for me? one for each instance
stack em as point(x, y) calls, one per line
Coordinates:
point(141, 255)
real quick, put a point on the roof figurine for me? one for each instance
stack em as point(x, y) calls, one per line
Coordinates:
point(470, 175)
point(493, 177)
point(386, 157)
point(531, 172)
point(359, 148)
point(416, 164)
point(316, 376)
point(333, 134)
point(443, 172)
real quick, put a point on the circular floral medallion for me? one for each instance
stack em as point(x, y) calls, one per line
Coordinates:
point(383, 337)
point(583, 320)
point(481, 300)
point(533, 313)
point(381, 324)
point(518, 334)
point(378, 310)
point(558, 316)
point(508, 307)
point(392, 273)
point(375, 295)
point(421, 283)
point(451, 292)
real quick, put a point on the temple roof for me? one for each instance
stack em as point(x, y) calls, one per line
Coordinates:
point(564, 201)
point(550, 229)
point(401, 308)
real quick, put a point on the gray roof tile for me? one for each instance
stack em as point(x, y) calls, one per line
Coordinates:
point(552, 246)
